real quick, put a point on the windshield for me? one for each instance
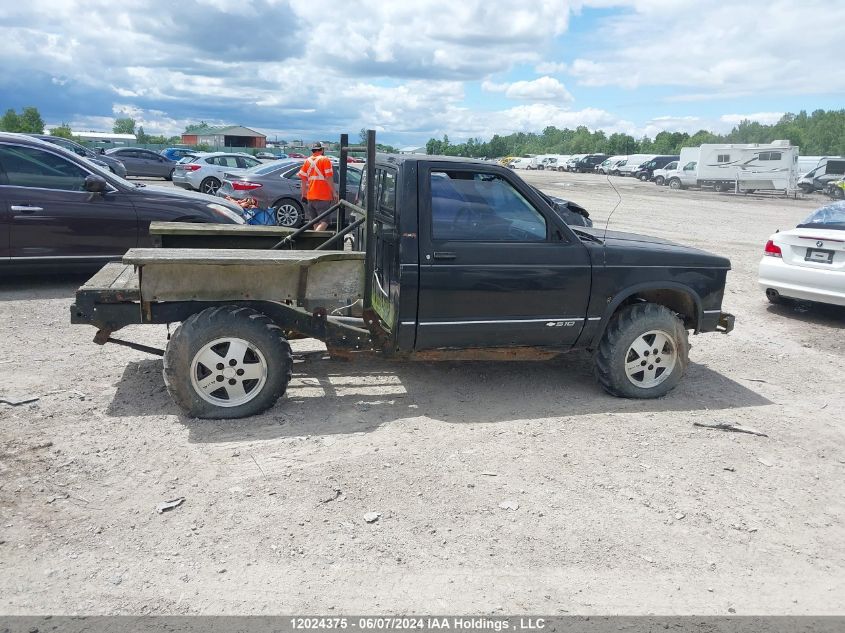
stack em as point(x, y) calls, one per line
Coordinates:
point(831, 216)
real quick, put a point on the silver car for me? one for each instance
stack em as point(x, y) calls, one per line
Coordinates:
point(205, 173)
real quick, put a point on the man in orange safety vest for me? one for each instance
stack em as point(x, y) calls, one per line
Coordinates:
point(318, 188)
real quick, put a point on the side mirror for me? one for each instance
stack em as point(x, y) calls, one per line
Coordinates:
point(95, 184)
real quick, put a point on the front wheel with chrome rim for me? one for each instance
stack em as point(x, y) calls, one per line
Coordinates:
point(227, 362)
point(644, 352)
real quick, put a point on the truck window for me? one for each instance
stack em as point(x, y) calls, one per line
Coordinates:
point(385, 191)
point(475, 206)
point(723, 158)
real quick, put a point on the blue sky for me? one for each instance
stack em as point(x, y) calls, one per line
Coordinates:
point(432, 67)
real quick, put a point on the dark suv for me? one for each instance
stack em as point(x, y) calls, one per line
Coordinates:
point(58, 209)
point(646, 170)
point(588, 163)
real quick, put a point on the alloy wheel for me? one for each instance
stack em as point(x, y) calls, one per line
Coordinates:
point(228, 372)
point(650, 359)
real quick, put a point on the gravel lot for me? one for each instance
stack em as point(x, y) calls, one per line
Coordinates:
point(509, 488)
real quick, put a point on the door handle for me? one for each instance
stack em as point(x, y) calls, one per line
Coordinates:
point(25, 208)
point(444, 255)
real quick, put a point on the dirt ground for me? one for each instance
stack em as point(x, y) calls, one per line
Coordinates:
point(501, 488)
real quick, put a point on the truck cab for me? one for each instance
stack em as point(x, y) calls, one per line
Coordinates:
point(479, 261)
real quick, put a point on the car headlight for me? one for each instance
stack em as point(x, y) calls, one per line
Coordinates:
point(226, 212)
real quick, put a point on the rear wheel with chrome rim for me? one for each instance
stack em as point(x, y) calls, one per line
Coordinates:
point(227, 362)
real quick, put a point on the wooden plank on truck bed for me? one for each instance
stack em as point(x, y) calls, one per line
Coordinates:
point(192, 228)
point(106, 276)
point(234, 256)
point(311, 279)
point(114, 283)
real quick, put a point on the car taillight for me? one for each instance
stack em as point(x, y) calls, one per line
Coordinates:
point(191, 167)
point(243, 185)
point(772, 249)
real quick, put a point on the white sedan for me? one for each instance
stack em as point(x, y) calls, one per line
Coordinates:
point(807, 262)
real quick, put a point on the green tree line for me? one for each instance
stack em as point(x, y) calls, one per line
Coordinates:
point(821, 133)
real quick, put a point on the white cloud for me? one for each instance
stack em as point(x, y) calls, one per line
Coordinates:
point(403, 68)
point(550, 68)
point(542, 89)
point(766, 118)
point(717, 49)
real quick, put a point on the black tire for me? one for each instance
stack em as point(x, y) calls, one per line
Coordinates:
point(210, 186)
point(170, 175)
point(837, 193)
point(774, 297)
point(288, 212)
point(637, 323)
point(720, 187)
point(644, 177)
point(675, 183)
point(659, 180)
point(199, 331)
point(806, 189)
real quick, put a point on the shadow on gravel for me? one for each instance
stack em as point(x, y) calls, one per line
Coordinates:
point(816, 313)
point(336, 397)
point(19, 287)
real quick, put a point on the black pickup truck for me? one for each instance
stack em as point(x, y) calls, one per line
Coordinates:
point(460, 260)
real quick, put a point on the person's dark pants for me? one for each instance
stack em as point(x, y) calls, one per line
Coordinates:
point(316, 207)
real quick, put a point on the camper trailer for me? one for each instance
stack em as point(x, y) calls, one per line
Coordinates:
point(742, 166)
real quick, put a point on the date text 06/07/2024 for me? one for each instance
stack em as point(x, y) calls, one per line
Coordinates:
point(406, 623)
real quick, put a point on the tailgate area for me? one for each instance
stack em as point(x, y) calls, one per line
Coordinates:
point(115, 285)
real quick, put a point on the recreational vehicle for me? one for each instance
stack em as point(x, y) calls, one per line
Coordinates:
point(743, 166)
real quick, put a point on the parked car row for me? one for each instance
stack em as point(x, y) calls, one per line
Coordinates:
point(58, 209)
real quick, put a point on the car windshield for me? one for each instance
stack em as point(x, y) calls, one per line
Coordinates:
point(831, 216)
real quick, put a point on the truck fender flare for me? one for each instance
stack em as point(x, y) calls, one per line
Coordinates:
point(647, 288)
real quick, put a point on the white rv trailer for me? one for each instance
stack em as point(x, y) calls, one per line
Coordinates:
point(748, 166)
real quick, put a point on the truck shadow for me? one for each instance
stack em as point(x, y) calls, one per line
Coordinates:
point(334, 397)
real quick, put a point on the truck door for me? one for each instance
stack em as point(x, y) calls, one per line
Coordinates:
point(383, 251)
point(497, 268)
